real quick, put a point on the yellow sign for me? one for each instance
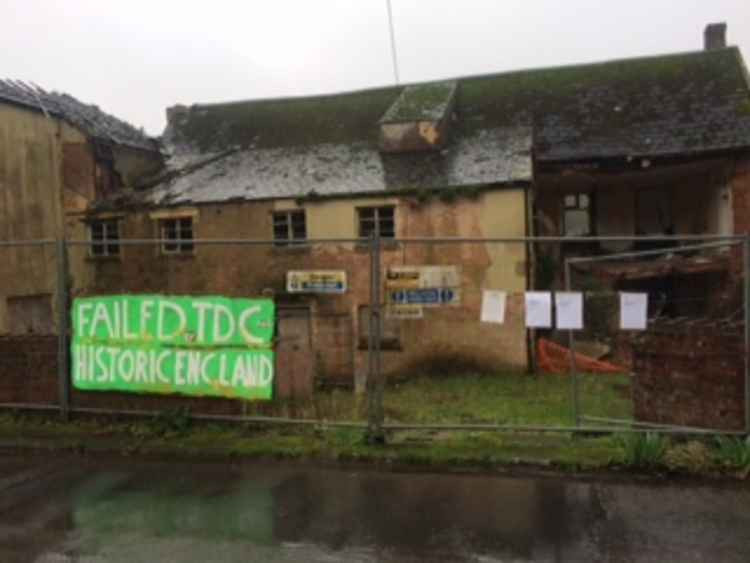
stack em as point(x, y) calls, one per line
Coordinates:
point(404, 312)
point(422, 277)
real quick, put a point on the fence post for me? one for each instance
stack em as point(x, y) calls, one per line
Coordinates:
point(746, 308)
point(573, 366)
point(63, 383)
point(374, 374)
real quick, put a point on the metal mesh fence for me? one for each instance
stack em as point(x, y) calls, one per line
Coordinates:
point(414, 333)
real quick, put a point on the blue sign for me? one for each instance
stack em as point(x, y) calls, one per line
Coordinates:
point(431, 296)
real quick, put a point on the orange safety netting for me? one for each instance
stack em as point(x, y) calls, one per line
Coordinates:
point(554, 358)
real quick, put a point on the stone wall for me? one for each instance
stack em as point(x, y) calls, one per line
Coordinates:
point(690, 374)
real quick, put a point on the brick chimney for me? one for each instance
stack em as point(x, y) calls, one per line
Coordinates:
point(715, 36)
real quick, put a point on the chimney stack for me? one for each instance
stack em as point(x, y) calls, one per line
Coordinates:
point(715, 36)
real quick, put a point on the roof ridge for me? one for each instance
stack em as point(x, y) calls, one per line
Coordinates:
point(497, 74)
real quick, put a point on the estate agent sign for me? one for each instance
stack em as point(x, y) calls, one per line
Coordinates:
point(187, 345)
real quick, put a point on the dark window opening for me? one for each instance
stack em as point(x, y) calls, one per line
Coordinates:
point(289, 227)
point(377, 220)
point(176, 234)
point(105, 235)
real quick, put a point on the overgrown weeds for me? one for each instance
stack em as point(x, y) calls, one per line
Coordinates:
point(691, 457)
point(642, 450)
point(733, 453)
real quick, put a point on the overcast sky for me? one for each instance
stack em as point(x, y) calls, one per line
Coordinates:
point(134, 58)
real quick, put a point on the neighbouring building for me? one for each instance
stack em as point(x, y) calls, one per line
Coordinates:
point(57, 156)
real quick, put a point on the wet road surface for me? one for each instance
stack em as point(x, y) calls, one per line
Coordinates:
point(58, 509)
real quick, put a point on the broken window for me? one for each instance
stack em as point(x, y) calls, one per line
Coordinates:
point(177, 234)
point(105, 238)
point(30, 314)
point(390, 330)
point(377, 220)
point(289, 227)
point(577, 215)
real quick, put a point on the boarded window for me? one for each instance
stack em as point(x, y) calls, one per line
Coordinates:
point(30, 314)
point(106, 235)
point(177, 235)
point(390, 330)
point(289, 227)
point(377, 220)
point(577, 215)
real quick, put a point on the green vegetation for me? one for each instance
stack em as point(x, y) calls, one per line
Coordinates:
point(733, 453)
point(506, 399)
point(644, 451)
point(515, 399)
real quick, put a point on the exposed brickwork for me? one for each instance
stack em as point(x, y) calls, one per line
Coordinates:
point(28, 369)
point(691, 375)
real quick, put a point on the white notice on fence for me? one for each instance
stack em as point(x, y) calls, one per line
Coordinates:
point(633, 311)
point(569, 308)
point(538, 309)
point(493, 306)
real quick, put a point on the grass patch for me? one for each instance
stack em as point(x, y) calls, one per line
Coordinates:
point(506, 399)
point(733, 453)
point(642, 450)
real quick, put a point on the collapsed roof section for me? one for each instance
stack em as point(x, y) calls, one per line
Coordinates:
point(88, 118)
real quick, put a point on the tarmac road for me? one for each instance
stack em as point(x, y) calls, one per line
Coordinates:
point(59, 509)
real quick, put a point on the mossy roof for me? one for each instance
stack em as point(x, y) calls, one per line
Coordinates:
point(672, 104)
point(421, 102)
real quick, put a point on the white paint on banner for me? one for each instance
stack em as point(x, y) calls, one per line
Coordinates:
point(493, 306)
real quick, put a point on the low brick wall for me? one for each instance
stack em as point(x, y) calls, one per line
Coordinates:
point(28, 374)
point(690, 374)
point(28, 369)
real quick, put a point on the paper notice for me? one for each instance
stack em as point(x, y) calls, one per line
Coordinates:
point(569, 309)
point(633, 311)
point(493, 306)
point(538, 309)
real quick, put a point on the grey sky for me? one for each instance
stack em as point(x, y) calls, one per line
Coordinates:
point(135, 58)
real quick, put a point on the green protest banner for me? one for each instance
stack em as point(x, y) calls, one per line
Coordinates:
point(189, 345)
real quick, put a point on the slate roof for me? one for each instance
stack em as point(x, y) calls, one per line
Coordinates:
point(679, 104)
point(88, 118)
point(497, 156)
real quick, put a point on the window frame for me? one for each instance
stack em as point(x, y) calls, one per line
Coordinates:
point(577, 207)
point(288, 224)
point(104, 249)
point(376, 220)
point(181, 248)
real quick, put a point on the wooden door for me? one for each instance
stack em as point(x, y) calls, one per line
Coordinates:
point(294, 357)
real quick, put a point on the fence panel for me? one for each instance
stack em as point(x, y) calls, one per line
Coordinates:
point(450, 333)
point(314, 288)
point(29, 323)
